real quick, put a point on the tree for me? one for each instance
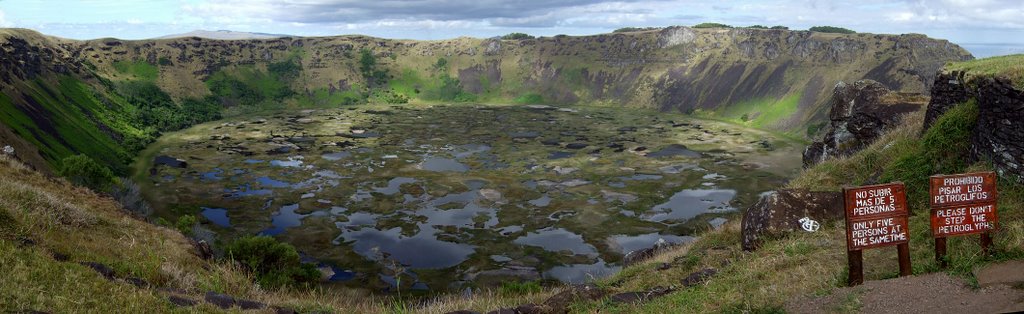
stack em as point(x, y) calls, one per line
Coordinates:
point(84, 171)
point(517, 36)
point(275, 264)
point(368, 68)
point(712, 25)
point(831, 29)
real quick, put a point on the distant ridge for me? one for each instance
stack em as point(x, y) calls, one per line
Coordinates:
point(223, 34)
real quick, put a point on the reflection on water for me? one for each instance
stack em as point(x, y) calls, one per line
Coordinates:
point(628, 243)
point(438, 164)
point(291, 161)
point(336, 156)
point(687, 204)
point(580, 273)
point(557, 240)
point(674, 150)
point(217, 216)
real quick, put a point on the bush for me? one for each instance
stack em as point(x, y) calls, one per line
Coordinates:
point(451, 90)
point(164, 61)
point(831, 29)
point(129, 195)
point(531, 98)
point(368, 68)
point(633, 29)
point(285, 70)
point(517, 36)
point(185, 224)
point(84, 171)
point(758, 26)
point(389, 96)
point(712, 25)
point(441, 64)
point(275, 264)
point(780, 27)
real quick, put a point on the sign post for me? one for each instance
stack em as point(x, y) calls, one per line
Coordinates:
point(876, 216)
point(963, 204)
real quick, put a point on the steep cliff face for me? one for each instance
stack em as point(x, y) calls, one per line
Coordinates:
point(773, 79)
point(998, 136)
point(861, 112)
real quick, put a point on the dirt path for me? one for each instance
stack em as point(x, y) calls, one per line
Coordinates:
point(930, 293)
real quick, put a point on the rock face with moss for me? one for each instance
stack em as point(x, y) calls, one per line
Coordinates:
point(998, 136)
point(860, 113)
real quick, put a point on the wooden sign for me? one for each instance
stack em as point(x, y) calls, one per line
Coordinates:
point(876, 216)
point(962, 204)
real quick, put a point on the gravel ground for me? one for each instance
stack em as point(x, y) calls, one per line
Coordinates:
point(930, 293)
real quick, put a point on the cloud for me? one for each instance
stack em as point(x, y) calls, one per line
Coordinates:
point(526, 13)
point(3, 20)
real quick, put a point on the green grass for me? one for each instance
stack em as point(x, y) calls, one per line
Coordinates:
point(764, 113)
point(1010, 67)
point(71, 108)
point(139, 70)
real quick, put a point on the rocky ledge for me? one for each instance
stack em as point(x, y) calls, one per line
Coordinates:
point(861, 112)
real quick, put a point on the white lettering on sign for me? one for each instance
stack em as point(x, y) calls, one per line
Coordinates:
point(875, 201)
point(877, 231)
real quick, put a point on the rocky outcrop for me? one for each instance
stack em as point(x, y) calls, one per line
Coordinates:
point(948, 90)
point(780, 212)
point(998, 136)
point(861, 112)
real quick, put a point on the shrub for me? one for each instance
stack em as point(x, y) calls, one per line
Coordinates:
point(712, 25)
point(758, 26)
point(368, 68)
point(84, 171)
point(185, 224)
point(831, 29)
point(633, 29)
point(780, 27)
point(274, 264)
point(441, 64)
point(287, 70)
point(164, 61)
point(389, 96)
point(531, 98)
point(129, 195)
point(517, 36)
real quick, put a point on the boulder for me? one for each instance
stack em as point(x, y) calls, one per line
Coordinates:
point(203, 249)
point(699, 277)
point(220, 300)
point(104, 270)
point(181, 301)
point(861, 112)
point(560, 302)
point(641, 255)
point(779, 212)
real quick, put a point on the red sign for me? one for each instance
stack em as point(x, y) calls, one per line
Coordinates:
point(963, 189)
point(963, 204)
point(876, 216)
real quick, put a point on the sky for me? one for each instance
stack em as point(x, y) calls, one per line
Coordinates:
point(996, 25)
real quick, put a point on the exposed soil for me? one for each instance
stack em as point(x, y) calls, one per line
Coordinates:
point(930, 293)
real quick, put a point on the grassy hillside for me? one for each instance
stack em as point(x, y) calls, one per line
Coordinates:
point(46, 233)
point(813, 264)
point(109, 91)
